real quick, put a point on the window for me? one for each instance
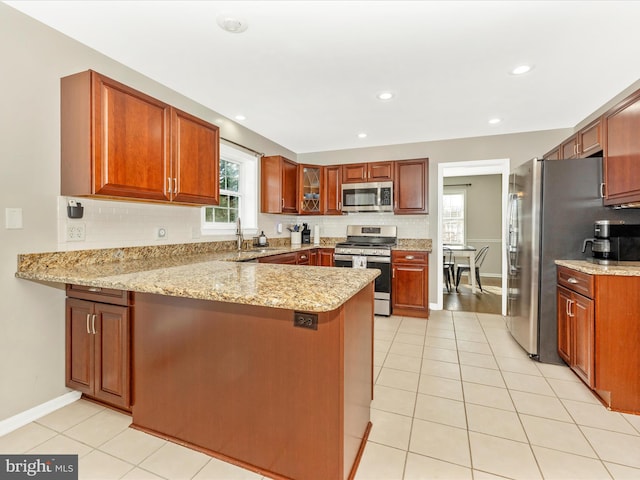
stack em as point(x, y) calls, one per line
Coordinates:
point(453, 218)
point(238, 195)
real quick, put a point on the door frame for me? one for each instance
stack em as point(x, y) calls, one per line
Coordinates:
point(498, 166)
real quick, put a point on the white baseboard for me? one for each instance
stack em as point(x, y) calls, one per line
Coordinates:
point(21, 419)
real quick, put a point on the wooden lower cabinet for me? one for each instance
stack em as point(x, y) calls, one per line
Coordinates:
point(98, 350)
point(410, 283)
point(575, 333)
point(598, 332)
point(325, 257)
point(245, 384)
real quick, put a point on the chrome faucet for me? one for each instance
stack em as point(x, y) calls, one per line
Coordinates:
point(239, 237)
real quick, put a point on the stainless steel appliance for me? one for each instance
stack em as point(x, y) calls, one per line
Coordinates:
point(367, 197)
point(614, 242)
point(369, 246)
point(552, 207)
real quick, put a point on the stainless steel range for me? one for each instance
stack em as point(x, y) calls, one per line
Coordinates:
point(369, 246)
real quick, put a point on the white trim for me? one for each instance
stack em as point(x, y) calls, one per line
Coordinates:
point(470, 168)
point(24, 418)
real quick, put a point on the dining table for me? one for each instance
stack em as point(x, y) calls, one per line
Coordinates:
point(466, 251)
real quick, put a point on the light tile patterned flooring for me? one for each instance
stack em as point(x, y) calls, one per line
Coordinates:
point(455, 398)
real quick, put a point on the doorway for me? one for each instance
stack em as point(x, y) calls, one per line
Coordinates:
point(466, 169)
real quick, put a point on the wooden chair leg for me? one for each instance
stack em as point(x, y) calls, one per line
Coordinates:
point(478, 279)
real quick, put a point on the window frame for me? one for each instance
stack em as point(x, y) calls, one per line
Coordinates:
point(248, 195)
point(455, 191)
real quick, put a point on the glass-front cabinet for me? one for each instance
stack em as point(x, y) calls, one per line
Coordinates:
point(310, 189)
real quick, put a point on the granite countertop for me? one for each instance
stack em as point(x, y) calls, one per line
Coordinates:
point(629, 269)
point(203, 271)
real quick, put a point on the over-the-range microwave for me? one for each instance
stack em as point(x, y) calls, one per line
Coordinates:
point(367, 197)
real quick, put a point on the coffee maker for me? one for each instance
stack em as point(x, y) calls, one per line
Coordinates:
point(614, 241)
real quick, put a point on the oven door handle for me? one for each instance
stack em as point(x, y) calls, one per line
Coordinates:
point(348, 258)
point(374, 260)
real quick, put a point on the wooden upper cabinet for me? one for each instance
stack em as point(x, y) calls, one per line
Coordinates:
point(332, 189)
point(367, 172)
point(310, 187)
point(590, 139)
point(585, 143)
point(278, 185)
point(553, 154)
point(118, 142)
point(622, 152)
point(196, 159)
point(568, 149)
point(411, 186)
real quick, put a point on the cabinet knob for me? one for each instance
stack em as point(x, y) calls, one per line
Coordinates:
point(572, 280)
point(409, 257)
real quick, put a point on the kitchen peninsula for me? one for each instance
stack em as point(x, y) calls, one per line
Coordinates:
point(267, 366)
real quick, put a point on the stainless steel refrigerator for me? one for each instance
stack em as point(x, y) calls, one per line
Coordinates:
point(551, 210)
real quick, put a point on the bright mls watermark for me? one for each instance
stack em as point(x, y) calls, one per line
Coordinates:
point(39, 467)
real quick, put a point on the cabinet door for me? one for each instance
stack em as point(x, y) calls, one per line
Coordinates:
point(622, 152)
point(354, 173)
point(564, 324)
point(195, 170)
point(553, 154)
point(289, 186)
point(332, 189)
point(112, 354)
point(380, 171)
point(410, 188)
point(590, 139)
point(310, 186)
point(569, 149)
point(278, 185)
point(409, 288)
point(326, 257)
point(583, 346)
point(131, 142)
point(79, 346)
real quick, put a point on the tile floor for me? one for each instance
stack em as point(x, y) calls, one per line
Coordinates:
point(455, 398)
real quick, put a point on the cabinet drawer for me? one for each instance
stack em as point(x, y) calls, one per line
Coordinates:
point(407, 256)
point(99, 294)
point(303, 258)
point(579, 282)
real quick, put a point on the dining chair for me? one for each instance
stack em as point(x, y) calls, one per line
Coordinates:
point(462, 267)
point(448, 266)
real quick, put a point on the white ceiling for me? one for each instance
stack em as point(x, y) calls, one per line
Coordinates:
point(306, 73)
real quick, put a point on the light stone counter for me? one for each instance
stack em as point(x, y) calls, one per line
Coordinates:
point(202, 271)
point(631, 269)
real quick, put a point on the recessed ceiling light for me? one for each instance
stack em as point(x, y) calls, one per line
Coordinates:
point(385, 96)
point(494, 121)
point(240, 118)
point(521, 70)
point(362, 135)
point(232, 24)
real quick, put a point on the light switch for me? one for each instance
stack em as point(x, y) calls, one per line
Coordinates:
point(13, 218)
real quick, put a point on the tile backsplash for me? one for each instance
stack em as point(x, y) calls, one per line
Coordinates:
point(109, 224)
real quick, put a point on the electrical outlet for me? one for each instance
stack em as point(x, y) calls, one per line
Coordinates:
point(162, 233)
point(76, 232)
point(305, 320)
